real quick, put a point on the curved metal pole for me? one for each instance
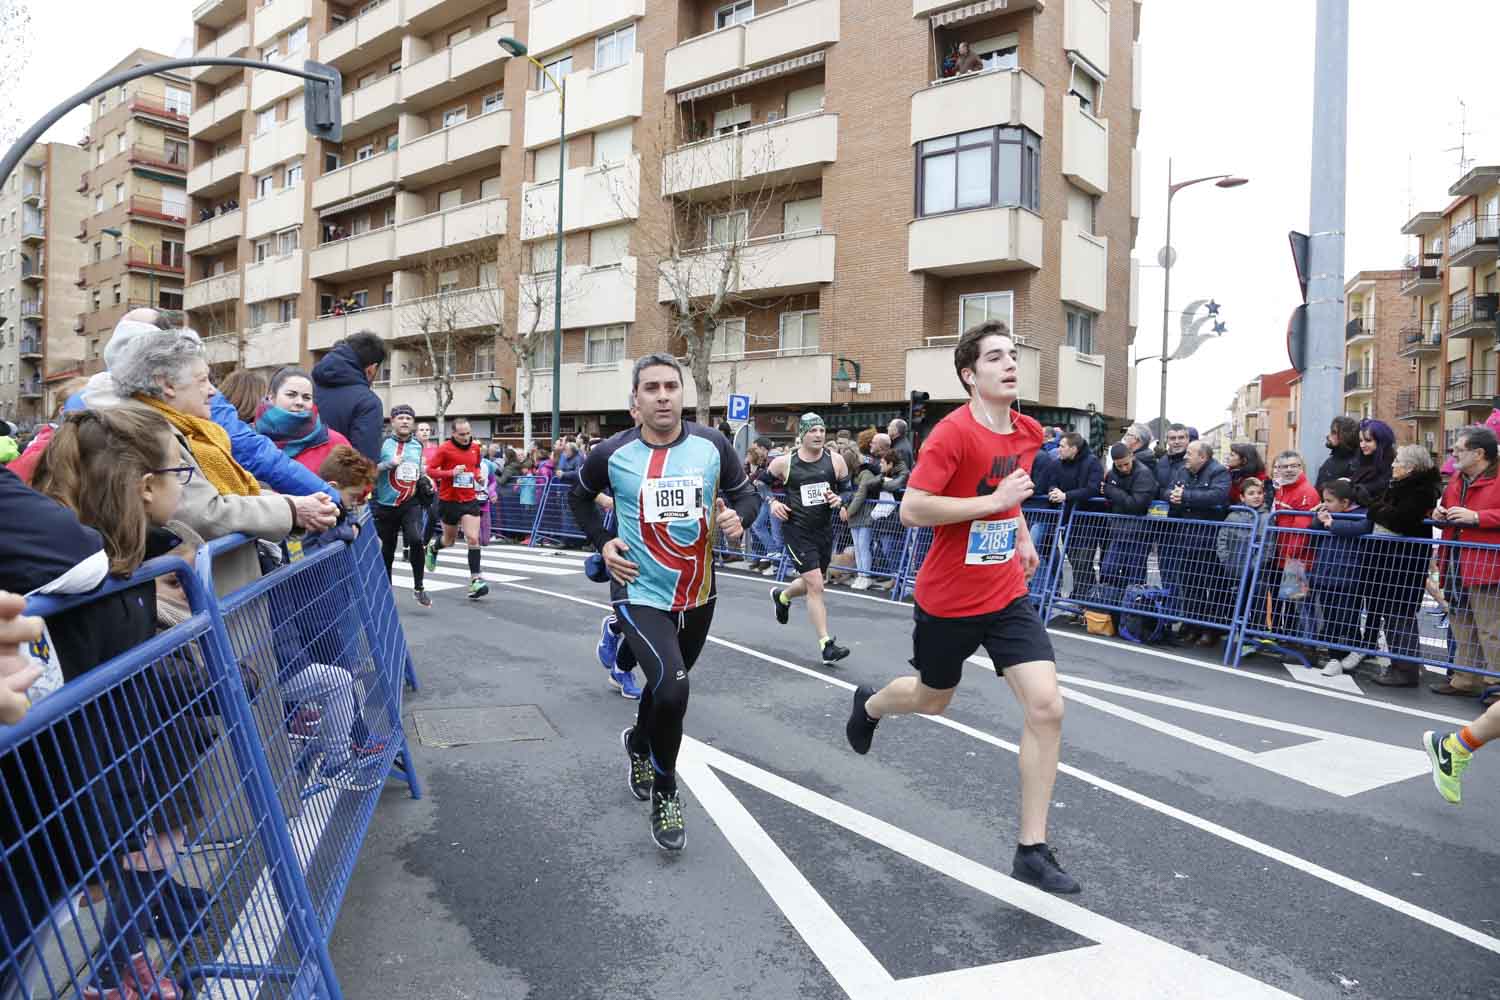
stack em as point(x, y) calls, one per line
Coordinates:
point(28, 139)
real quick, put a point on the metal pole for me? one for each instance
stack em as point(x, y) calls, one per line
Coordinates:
point(1166, 300)
point(150, 275)
point(557, 287)
point(1322, 388)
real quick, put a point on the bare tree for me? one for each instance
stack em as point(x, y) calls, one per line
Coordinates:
point(15, 57)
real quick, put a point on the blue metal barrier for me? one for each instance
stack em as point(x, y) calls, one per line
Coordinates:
point(554, 518)
point(1046, 530)
point(517, 504)
point(176, 817)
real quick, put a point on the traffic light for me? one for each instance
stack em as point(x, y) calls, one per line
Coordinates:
point(916, 410)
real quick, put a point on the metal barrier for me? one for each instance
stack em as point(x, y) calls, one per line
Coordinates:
point(183, 819)
point(1045, 527)
point(516, 506)
point(554, 518)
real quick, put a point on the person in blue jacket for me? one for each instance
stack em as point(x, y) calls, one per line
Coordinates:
point(1336, 579)
point(341, 390)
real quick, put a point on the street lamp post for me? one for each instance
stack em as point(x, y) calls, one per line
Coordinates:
point(1167, 255)
point(518, 48)
point(150, 262)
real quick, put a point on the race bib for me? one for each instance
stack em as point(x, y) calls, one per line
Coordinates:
point(814, 494)
point(407, 472)
point(480, 494)
point(41, 654)
point(991, 542)
point(672, 498)
point(463, 480)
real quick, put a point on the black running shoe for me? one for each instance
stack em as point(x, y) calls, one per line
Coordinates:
point(860, 729)
point(666, 821)
point(422, 598)
point(832, 651)
point(783, 611)
point(1040, 868)
point(642, 774)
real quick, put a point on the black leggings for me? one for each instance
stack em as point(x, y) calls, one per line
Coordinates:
point(666, 644)
point(405, 521)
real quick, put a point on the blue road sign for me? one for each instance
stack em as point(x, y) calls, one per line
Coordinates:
point(739, 407)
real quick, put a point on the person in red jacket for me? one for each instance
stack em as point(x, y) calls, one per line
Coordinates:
point(1293, 495)
point(455, 468)
point(1471, 577)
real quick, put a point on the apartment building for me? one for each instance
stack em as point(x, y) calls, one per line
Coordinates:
point(1453, 287)
point(865, 217)
point(1261, 413)
point(1375, 314)
point(134, 186)
point(39, 215)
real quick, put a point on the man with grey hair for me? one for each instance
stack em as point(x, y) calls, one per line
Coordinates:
point(901, 442)
point(1138, 438)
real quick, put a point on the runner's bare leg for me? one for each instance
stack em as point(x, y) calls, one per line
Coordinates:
point(1035, 687)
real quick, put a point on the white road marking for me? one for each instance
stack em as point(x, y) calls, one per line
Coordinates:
point(1122, 963)
point(400, 578)
point(1300, 864)
point(1309, 675)
point(461, 561)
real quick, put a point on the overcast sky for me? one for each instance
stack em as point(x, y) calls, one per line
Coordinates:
point(1228, 88)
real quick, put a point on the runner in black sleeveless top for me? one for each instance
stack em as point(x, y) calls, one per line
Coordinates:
point(812, 476)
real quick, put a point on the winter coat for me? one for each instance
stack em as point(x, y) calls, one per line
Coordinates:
point(346, 401)
point(902, 447)
point(1130, 494)
point(1233, 542)
point(1205, 493)
point(1295, 496)
point(261, 458)
point(1079, 479)
point(1341, 464)
point(1477, 567)
point(1337, 565)
point(862, 499)
point(1404, 506)
point(567, 468)
point(1043, 477)
point(25, 464)
point(1145, 456)
point(1170, 470)
point(1369, 478)
point(1237, 479)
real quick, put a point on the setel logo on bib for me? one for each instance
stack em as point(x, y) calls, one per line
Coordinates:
point(991, 542)
point(672, 498)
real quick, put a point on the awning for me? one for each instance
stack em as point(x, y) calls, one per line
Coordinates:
point(970, 11)
point(365, 199)
point(752, 76)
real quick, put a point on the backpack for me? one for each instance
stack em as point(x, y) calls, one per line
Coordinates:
point(1143, 619)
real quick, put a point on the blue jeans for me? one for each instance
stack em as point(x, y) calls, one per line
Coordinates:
point(864, 559)
point(761, 540)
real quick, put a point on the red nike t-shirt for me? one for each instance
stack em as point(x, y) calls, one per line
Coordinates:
point(972, 568)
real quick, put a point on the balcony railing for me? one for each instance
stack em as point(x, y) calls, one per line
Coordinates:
point(31, 389)
point(30, 347)
point(140, 258)
point(1360, 381)
point(1470, 232)
point(1421, 273)
point(151, 106)
point(166, 158)
point(1419, 339)
point(1423, 399)
point(155, 208)
point(1472, 317)
point(1471, 389)
point(31, 307)
point(1357, 328)
point(36, 269)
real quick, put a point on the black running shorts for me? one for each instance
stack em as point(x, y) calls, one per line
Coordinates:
point(451, 511)
point(806, 549)
point(1012, 635)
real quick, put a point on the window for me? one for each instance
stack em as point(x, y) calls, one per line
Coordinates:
point(493, 102)
point(390, 215)
point(455, 116)
point(558, 68)
point(120, 142)
point(119, 193)
point(544, 163)
point(544, 256)
point(489, 275)
point(286, 310)
point(450, 199)
point(179, 101)
point(802, 216)
point(614, 48)
point(614, 145)
point(604, 345)
point(96, 300)
point(119, 247)
point(489, 188)
point(1082, 209)
point(983, 307)
point(724, 230)
point(263, 185)
point(484, 358)
point(174, 202)
point(608, 245)
point(1080, 331)
point(728, 338)
point(364, 152)
point(325, 304)
point(979, 169)
point(98, 203)
point(541, 356)
point(293, 174)
point(259, 313)
point(116, 291)
point(734, 13)
point(171, 254)
point(297, 39)
point(388, 294)
point(360, 224)
point(805, 100)
point(1087, 88)
point(331, 162)
point(447, 282)
point(265, 121)
point(288, 241)
point(461, 35)
point(391, 142)
point(361, 298)
point(732, 119)
point(799, 332)
point(98, 252)
point(262, 250)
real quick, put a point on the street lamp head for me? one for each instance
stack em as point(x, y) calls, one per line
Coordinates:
point(514, 46)
point(111, 231)
point(1232, 182)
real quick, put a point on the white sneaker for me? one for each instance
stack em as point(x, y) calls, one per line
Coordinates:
point(1333, 668)
point(1352, 662)
point(861, 583)
point(769, 570)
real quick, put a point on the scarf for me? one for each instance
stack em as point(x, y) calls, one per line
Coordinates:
point(293, 433)
point(209, 444)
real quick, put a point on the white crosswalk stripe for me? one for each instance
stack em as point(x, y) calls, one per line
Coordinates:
point(500, 564)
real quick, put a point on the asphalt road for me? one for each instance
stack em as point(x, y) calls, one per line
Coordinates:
point(1237, 833)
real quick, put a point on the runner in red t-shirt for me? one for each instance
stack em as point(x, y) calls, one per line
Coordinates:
point(973, 473)
point(455, 468)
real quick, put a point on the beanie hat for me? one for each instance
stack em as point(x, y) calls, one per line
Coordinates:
point(405, 408)
point(125, 331)
point(807, 422)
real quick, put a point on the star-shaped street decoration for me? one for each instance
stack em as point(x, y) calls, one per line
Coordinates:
point(1220, 328)
point(1213, 308)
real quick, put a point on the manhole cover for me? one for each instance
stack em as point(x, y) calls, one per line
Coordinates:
point(456, 727)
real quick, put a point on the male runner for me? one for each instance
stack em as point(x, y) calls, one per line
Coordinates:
point(397, 509)
point(810, 474)
point(455, 467)
point(431, 519)
point(670, 482)
point(1451, 754)
point(971, 589)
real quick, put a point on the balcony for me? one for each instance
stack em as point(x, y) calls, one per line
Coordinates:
point(271, 19)
point(34, 270)
point(83, 183)
point(158, 110)
point(597, 98)
point(31, 229)
point(217, 13)
point(930, 369)
point(470, 394)
point(174, 160)
point(156, 210)
point(456, 70)
point(283, 142)
point(1085, 267)
point(274, 278)
point(585, 388)
point(554, 25)
point(267, 87)
point(592, 296)
point(142, 260)
point(777, 265)
point(213, 233)
point(272, 345)
point(457, 149)
point(451, 229)
point(32, 308)
point(221, 175)
point(1357, 331)
point(1476, 182)
point(356, 256)
point(1472, 318)
point(774, 378)
point(325, 331)
point(769, 154)
point(355, 179)
point(927, 8)
point(462, 310)
point(1414, 404)
point(30, 349)
point(221, 116)
point(1359, 383)
point(787, 31)
point(1085, 146)
point(1417, 339)
point(1474, 242)
point(977, 100)
point(31, 388)
point(1471, 391)
point(596, 196)
point(231, 44)
point(1080, 379)
point(1086, 31)
point(977, 241)
point(359, 39)
point(423, 16)
point(281, 209)
point(371, 107)
point(212, 291)
point(1423, 275)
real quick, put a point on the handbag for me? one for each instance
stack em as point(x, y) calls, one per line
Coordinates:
point(1099, 623)
point(1293, 581)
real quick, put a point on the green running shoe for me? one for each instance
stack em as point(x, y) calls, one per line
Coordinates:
point(666, 821)
point(642, 774)
point(431, 557)
point(1449, 761)
point(477, 589)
